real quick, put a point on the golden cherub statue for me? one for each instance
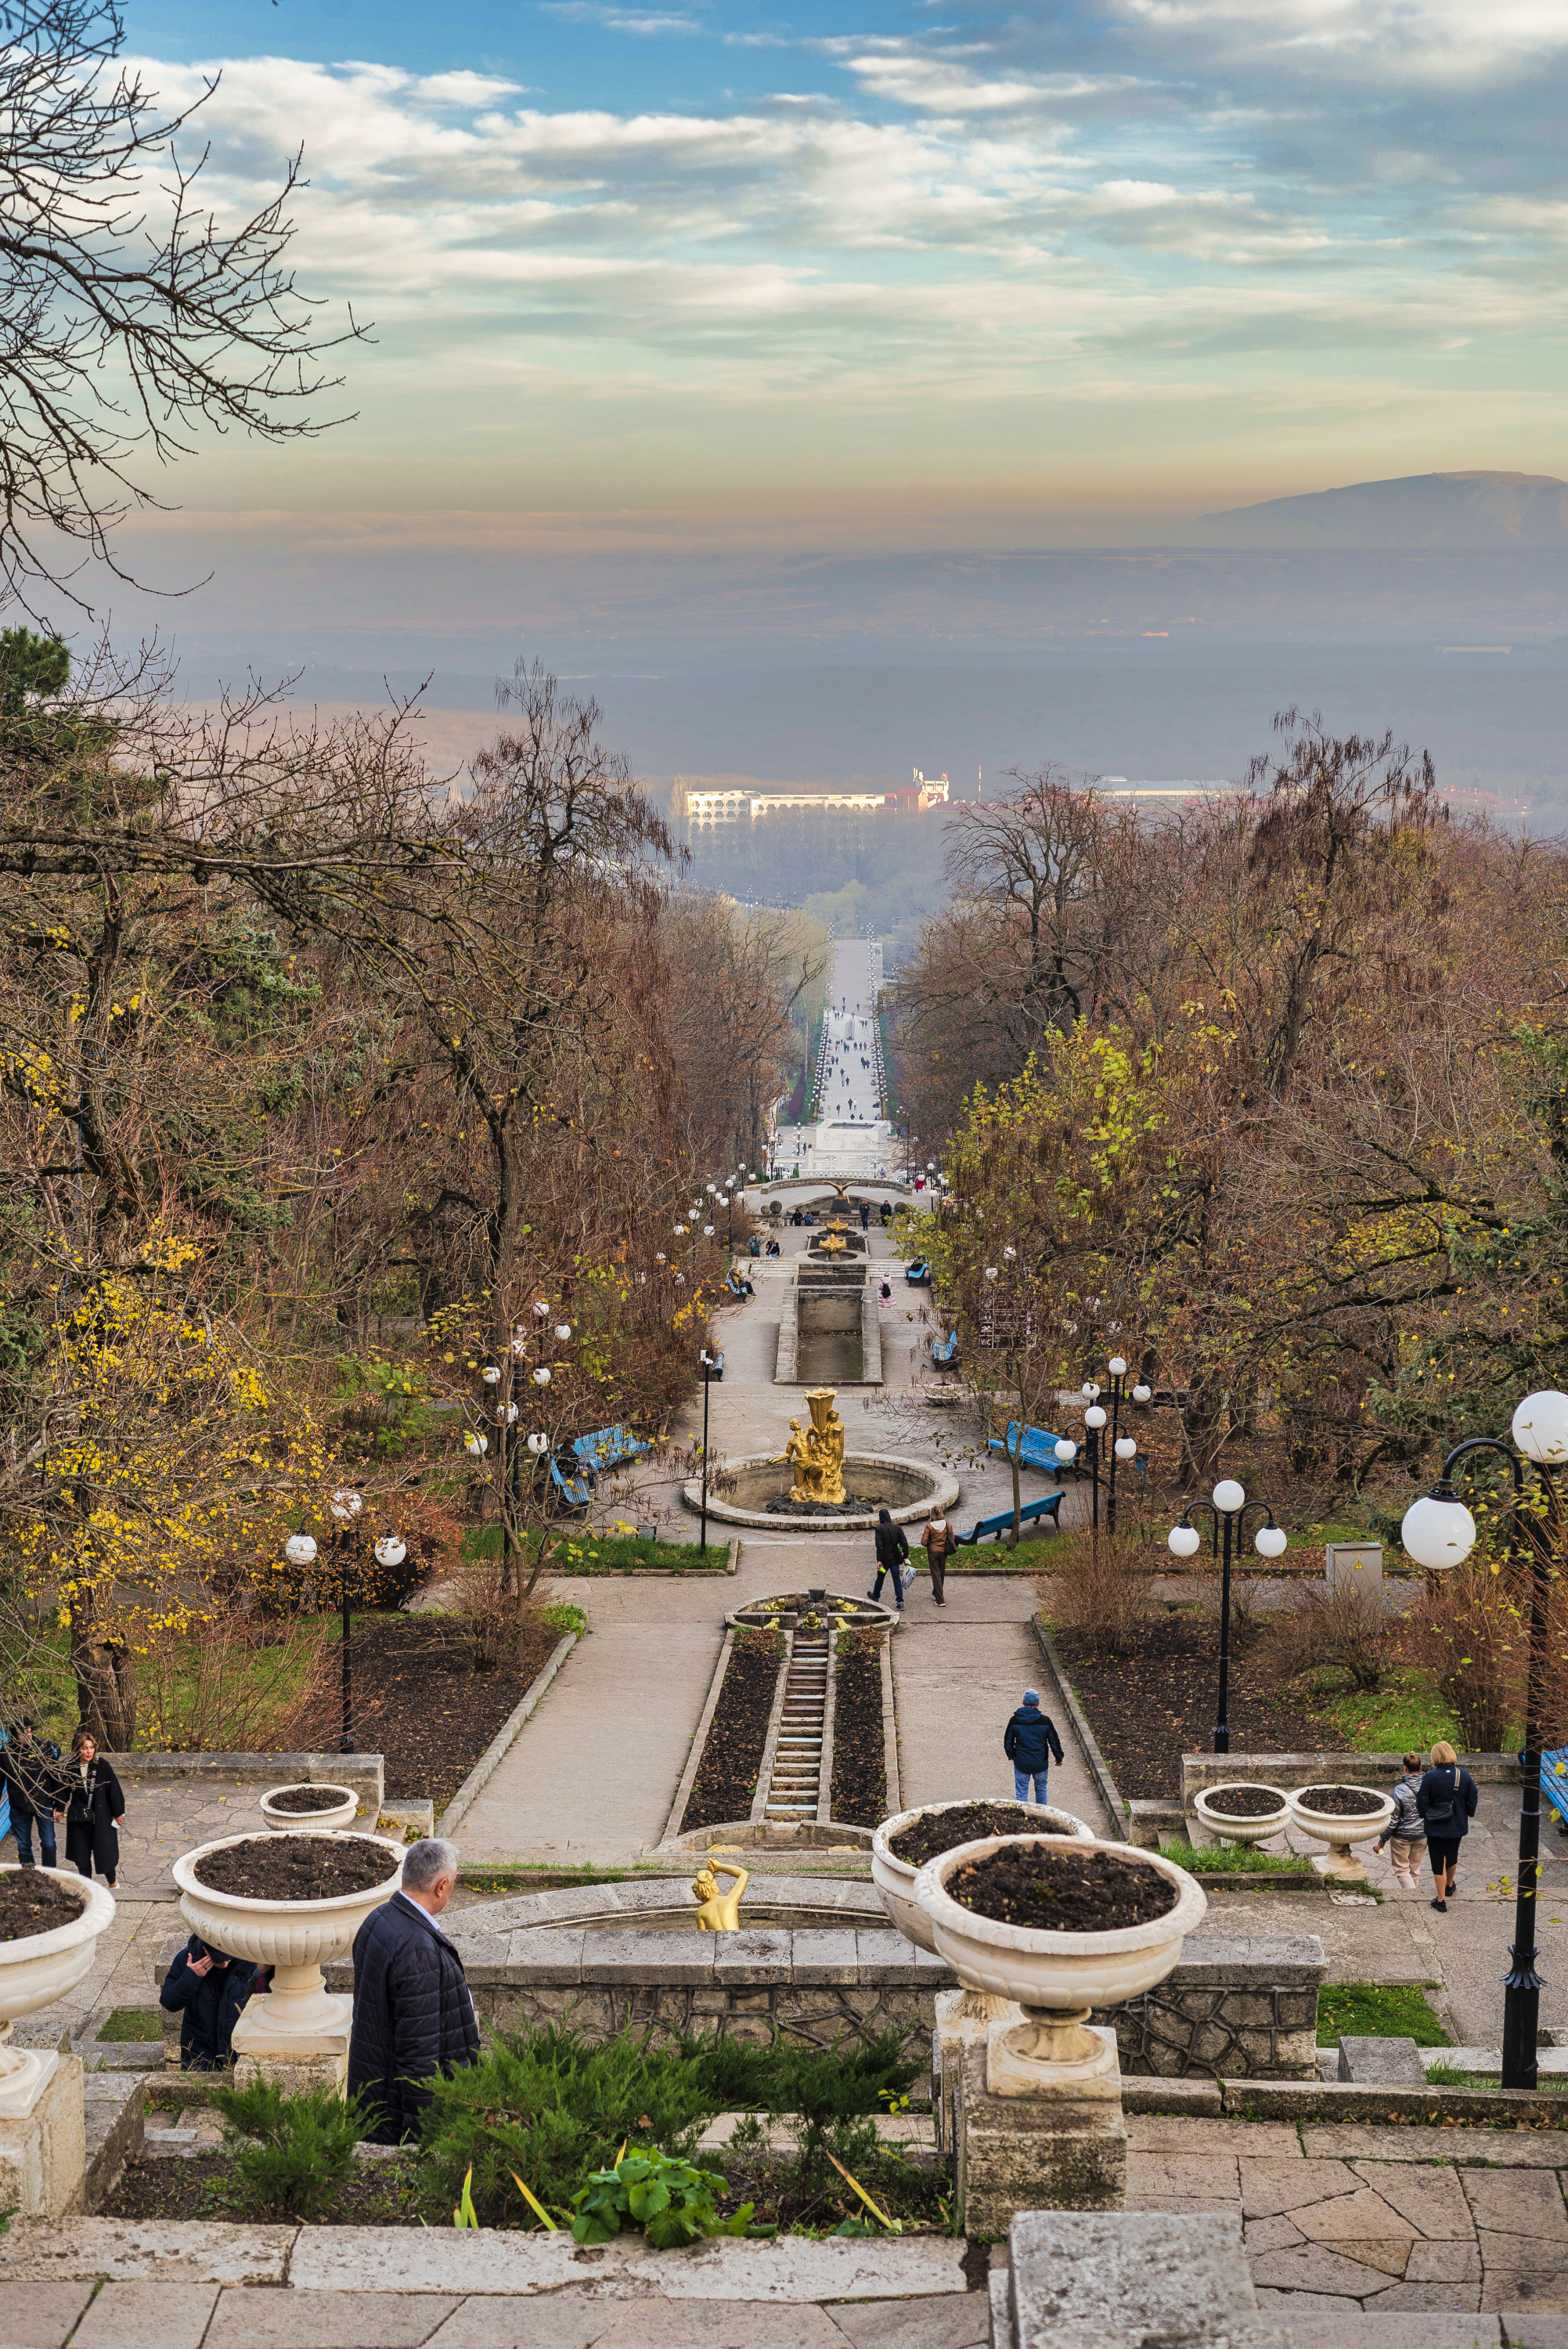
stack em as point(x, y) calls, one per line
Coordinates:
point(719, 1912)
point(800, 1454)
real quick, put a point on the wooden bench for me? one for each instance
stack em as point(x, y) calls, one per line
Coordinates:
point(1049, 1505)
point(944, 1352)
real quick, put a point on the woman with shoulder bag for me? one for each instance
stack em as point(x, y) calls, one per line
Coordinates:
point(1446, 1800)
point(94, 1810)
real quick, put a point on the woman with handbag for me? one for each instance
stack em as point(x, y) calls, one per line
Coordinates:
point(1446, 1800)
point(892, 1551)
point(95, 1808)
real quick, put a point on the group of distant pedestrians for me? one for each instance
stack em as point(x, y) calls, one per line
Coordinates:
point(46, 1792)
point(1434, 1807)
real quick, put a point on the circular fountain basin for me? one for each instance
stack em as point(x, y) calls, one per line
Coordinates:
point(907, 1489)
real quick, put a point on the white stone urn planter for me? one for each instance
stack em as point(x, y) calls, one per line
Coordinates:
point(296, 1938)
point(1340, 1832)
point(894, 1877)
point(1209, 1804)
point(35, 1971)
point(340, 1814)
point(1057, 1977)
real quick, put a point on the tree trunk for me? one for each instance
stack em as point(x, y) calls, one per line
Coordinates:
point(1201, 1435)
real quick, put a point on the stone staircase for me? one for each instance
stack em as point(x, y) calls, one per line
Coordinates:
point(794, 1787)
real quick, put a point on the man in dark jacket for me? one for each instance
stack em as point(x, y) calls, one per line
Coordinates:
point(30, 1767)
point(413, 2015)
point(1029, 1744)
point(207, 1990)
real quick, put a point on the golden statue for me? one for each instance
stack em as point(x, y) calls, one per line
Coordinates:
point(826, 1444)
point(798, 1453)
point(719, 1912)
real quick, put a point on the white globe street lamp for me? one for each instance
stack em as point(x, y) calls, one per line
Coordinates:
point(1541, 1427)
point(1183, 1540)
point(299, 1549)
point(1438, 1531)
point(391, 1550)
point(539, 1444)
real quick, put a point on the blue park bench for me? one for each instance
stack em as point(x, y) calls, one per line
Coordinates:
point(944, 1352)
point(574, 1485)
point(996, 1528)
point(918, 1274)
point(1038, 1449)
point(1554, 1785)
point(609, 1447)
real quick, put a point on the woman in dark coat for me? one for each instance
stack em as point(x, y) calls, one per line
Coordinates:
point(94, 1810)
point(892, 1551)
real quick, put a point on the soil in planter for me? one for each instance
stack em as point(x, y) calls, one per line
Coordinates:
point(725, 1777)
point(923, 1838)
point(1155, 1702)
point(419, 1702)
point(1063, 1891)
point(34, 1901)
point(304, 1799)
point(858, 1793)
point(1243, 1802)
point(296, 1867)
point(1341, 1802)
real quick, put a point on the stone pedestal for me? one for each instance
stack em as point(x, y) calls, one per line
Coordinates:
point(1338, 1865)
point(964, 2019)
point(297, 2058)
point(42, 2139)
point(1025, 2144)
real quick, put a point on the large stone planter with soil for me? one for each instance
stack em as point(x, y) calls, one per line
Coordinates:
point(49, 1926)
point(894, 1876)
point(1058, 1974)
point(293, 1902)
point(304, 1809)
point(1341, 1816)
point(1242, 1811)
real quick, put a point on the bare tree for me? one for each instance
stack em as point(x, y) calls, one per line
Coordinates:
point(131, 316)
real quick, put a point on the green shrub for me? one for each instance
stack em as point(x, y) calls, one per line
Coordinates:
point(306, 2151)
point(672, 2203)
point(1235, 1859)
point(553, 2108)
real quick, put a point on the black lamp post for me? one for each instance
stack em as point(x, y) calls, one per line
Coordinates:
point(1438, 1533)
point(707, 1366)
point(345, 1509)
point(1123, 1447)
point(1229, 1508)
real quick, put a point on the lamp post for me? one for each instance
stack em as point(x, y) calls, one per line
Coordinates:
point(707, 1366)
point(729, 1202)
point(1123, 1447)
point(345, 1508)
point(1094, 1419)
point(1438, 1533)
point(1229, 1509)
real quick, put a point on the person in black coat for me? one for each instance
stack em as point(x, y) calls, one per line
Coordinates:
point(1446, 1799)
point(30, 1768)
point(413, 2012)
point(94, 1810)
point(892, 1551)
point(207, 1990)
point(1029, 1743)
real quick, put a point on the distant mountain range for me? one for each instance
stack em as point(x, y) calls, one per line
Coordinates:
point(1487, 511)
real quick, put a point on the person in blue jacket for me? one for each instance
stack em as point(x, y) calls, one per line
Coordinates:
point(1030, 1743)
point(413, 2011)
point(208, 1991)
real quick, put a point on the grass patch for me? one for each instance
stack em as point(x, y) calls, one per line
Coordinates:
point(1377, 2011)
point(563, 1617)
point(1406, 1715)
point(485, 1879)
point(1449, 2075)
point(138, 2022)
point(1236, 1859)
point(620, 1553)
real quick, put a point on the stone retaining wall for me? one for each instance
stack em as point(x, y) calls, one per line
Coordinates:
point(1242, 2007)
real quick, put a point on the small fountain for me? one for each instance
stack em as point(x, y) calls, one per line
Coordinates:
point(827, 1487)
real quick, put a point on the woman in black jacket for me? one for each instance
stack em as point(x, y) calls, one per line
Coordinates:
point(94, 1810)
point(892, 1551)
point(1446, 1800)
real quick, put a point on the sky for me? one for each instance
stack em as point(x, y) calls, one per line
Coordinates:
point(686, 283)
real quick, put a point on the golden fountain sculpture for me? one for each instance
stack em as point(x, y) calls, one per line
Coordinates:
point(719, 1912)
point(818, 1455)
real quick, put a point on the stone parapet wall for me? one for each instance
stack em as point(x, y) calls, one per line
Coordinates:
point(1289, 1770)
point(1243, 2008)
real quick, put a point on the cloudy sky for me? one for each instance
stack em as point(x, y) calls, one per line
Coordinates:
point(678, 278)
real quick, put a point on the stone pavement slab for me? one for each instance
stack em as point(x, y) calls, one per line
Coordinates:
point(796, 2269)
point(148, 2316)
point(303, 2319)
point(498, 2321)
point(1350, 2329)
point(1271, 2188)
point(1531, 2329)
point(163, 2251)
point(1478, 2147)
point(1520, 2202)
point(40, 2315)
point(718, 2324)
point(956, 2321)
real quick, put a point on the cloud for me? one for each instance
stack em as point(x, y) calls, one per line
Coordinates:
point(648, 27)
point(1399, 41)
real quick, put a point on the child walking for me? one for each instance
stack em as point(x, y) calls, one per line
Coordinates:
point(1406, 1831)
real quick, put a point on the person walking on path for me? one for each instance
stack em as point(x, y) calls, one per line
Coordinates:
point(1446, 1799)
point(94, 1810)
point(31, 1769)
point(892, 1551)
point(941, 1541)
point(1030, 1745)
point(1404, 1832)
point(207, 1990)
point(413, 2011)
